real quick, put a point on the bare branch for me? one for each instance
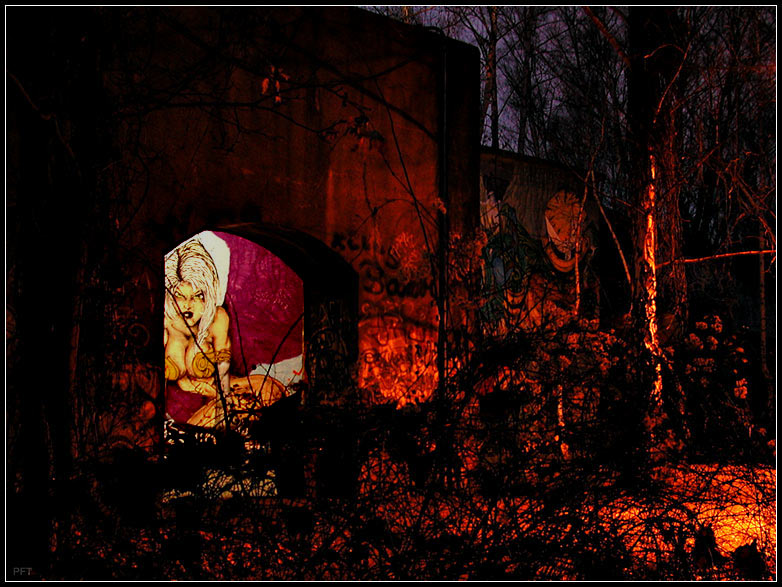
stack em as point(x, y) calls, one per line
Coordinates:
point(607, 34)
point(720, 256)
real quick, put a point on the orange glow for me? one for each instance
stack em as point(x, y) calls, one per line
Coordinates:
point(398, 362)
point(737, 503)
point(739, 512)
point(650, 282)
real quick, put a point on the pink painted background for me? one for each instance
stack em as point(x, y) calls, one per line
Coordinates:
point(265, 301)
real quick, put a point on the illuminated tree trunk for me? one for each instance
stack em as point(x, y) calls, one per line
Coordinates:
point(648, 277)
point(643, 98)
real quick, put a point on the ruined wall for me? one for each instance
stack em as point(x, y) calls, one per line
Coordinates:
point(326, 122)
point(342, 142)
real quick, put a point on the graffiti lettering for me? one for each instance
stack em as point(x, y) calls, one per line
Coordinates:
point(412, 289)
point(372, 277)
point(398, 362)
point(341, 242)
point(397, 330)
point(375, 281)
point(338, 242)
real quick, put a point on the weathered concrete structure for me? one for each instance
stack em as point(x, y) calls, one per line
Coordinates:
point(339, 141)
point(342, 142)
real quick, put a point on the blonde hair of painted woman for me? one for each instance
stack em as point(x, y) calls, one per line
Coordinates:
point(191, 262)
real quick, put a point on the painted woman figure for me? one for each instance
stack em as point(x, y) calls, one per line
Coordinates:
point(198, 347)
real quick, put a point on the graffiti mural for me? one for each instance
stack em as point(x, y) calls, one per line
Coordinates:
point(397, 317)
point(398, 360)
point(539, 242)
point(232, 330)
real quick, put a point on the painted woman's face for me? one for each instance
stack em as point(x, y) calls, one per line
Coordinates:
point(190, 302)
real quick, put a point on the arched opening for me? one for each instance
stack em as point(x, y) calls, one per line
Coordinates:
point(255, 315)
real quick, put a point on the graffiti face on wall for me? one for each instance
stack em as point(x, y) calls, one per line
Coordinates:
point(564, 226)
point(533, 243)
point(232, 329)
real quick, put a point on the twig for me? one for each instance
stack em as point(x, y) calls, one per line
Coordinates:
point(607, 34)
point(720, 256)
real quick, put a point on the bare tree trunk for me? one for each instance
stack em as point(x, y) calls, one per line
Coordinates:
point(642, 86)
point(764, 325)
point(673, 308)
point(525, 68)
point(491, 78)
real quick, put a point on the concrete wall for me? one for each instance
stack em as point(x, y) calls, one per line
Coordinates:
point(326, 122)
point(343, 142)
